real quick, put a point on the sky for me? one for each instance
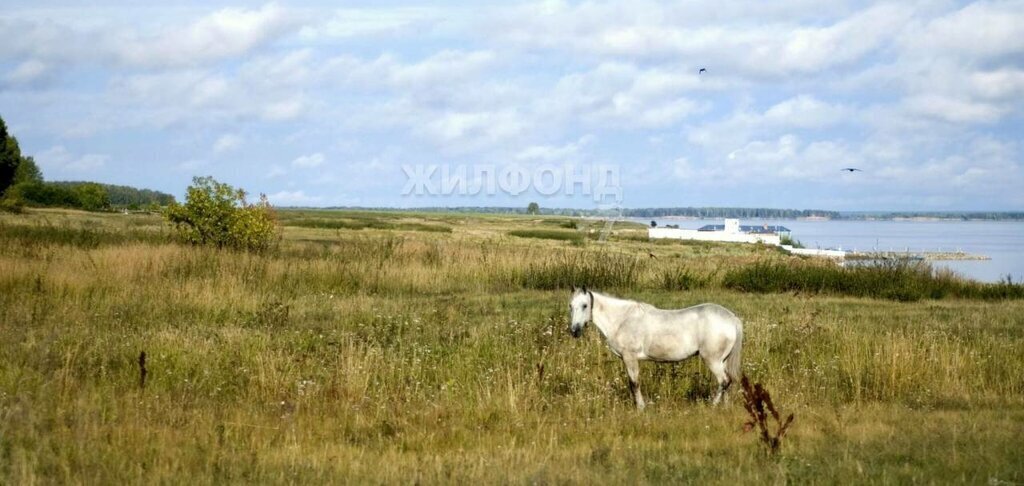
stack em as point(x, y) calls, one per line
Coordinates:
point(334, 104)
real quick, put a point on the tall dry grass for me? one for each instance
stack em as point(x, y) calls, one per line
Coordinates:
point(391, 356)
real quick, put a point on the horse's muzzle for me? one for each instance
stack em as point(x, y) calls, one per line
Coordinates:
point(576, 331)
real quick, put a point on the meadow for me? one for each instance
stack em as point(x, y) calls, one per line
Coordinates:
point(433, 348)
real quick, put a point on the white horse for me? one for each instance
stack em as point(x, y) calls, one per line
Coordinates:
point(637, 332)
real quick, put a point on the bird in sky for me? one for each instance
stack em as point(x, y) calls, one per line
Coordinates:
point(702, 71)
point(851, 169)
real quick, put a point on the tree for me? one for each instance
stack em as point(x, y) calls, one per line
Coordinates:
point(533, 208)
point(217, 214)
point(91, 196)
point(44, 194)
point(27, 171)
point(10, 157)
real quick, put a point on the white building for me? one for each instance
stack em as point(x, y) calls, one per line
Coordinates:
point(731, 232)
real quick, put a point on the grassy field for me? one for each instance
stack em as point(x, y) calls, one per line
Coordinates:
point(432, 348)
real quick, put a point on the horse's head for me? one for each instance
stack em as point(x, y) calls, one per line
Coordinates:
point(581, 307)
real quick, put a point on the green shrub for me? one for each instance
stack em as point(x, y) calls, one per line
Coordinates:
point(683, 279)
point(788, 240)
point(11, 205)
point(561, 223)
point(596, 269)
point(91, 196)
point(217, 214)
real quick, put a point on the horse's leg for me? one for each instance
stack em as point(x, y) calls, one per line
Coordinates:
point(633, 371)
point(717, 368)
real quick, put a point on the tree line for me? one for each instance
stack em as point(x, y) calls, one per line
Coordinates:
point(709, 213)
point(727, 212)
point(22, 183)
point(945, 215)
point(706, 212)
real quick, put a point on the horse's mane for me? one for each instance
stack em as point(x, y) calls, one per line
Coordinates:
point(642, 305)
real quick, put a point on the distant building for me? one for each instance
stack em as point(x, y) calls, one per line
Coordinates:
point(734, 226)
point(733, 232)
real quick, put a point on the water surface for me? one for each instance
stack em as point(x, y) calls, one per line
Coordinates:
point(1003, 241)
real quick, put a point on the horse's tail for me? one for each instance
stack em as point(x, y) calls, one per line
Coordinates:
point(732, 362)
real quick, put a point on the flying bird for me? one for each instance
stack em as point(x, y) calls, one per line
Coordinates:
point(702, 71)
point(851, 169)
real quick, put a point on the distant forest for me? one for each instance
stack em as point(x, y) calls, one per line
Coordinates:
point(707, 213)
point(721, 212)
point(126, 196)
point(960, 215)
point(22, 184)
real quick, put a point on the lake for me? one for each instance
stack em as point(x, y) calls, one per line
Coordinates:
point(1003, 241)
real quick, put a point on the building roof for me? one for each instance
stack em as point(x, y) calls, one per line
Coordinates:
point(755, 229)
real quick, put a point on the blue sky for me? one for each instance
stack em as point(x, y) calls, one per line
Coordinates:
point(319, 104)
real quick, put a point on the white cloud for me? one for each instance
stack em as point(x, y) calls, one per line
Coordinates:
point(682, 169)
point(1002, 84)
point(432, 72)
point(88, 162)
point(191, 165)
point(983, 165)
point(58, 159)
point(146, 42)
point(27, 73)
point(192, 88)
point(282, 110)
point(291, 70)
point(812, 49)
point(194, 95)
point(756, 44)
point(464, 131)
point(225, 33)
point(227, 143)
point(805, 111)
point(622, 95)
point(309, 161)
point(357, 22)
point(955, 110)
point(980, 30)
point(793, 88)
point(275, 171)
point(293, 198)
point(552, 153)
point(445, 65)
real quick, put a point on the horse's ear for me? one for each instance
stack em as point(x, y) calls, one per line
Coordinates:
point(584, 289)
point(574, 289)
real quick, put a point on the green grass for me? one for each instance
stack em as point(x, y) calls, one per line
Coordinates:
point(548, 234)
point(30, 236)
point(676, 278)
point(411, 356)
point(365, 223)
point(893, 279)
point(564, 270)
